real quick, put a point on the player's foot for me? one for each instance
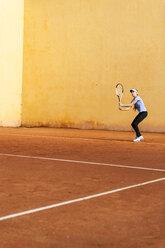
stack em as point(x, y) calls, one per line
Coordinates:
point(137, 139)
point(141, 138)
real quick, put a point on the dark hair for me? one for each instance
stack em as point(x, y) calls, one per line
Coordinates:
point(134, 108)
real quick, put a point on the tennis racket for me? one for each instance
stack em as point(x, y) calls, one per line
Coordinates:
point(119, 91)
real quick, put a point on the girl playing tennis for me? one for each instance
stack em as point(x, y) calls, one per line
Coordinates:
point(138, 104)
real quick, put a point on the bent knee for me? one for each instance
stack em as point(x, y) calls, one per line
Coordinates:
point(132, 124)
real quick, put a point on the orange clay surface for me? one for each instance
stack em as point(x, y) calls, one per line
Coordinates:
point(132, 218)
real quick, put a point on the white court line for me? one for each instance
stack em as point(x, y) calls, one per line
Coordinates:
point(78, 200)
point(81, 162)
point(81, 138)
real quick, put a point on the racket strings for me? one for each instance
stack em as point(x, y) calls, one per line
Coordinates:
point(119, 90)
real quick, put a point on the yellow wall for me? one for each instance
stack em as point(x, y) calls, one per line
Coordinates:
point(72, 45)
point(11, 53)
point(11, 61)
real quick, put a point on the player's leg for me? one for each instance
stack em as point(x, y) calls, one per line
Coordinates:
point(134, 124)
point(139, 118)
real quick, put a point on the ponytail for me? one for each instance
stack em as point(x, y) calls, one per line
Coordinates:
point(134, 108)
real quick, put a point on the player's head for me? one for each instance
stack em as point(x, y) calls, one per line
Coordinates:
point(134, 92)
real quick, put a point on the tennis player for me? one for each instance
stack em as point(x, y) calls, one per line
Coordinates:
point(138, 104)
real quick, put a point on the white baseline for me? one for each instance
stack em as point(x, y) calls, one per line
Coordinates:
point(82, 138)
point(81, 162)
point(78, 200)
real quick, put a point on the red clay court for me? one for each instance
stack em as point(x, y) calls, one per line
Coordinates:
point(68, 188)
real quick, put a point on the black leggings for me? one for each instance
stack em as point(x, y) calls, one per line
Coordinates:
point(137, 120)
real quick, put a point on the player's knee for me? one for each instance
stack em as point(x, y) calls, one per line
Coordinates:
point(132, 124)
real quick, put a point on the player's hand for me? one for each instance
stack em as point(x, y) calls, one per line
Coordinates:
point(122, 105)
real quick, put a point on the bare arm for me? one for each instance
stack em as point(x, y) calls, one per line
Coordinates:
point(129, 105)
point(124, 108)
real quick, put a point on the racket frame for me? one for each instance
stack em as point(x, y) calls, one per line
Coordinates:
point(119, 97)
